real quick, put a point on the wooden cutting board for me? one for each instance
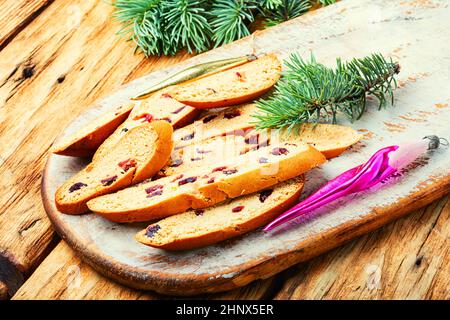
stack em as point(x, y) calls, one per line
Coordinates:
point(414, 33)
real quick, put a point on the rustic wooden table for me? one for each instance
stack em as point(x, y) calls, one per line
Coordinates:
point(56, 58)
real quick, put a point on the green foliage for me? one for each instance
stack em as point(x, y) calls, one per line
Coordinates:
point(312, 92)
point(326, 2)
point(167, 26)
point(270, 4)
point(288, 9)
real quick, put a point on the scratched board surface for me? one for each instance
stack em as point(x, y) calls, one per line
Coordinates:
point(414, 33)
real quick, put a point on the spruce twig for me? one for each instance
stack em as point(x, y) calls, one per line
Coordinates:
point(312, 92)
point(286, 10)
point(230, 20)
point(167, 26)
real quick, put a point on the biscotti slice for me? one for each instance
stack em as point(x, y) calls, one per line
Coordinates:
point(84, 142)
point(203, 227)
point(205, 153)
point(138, 155)
point(330, 139)
point(233, 86)
point(207, 186)
point(235, 121)
point(159, 106)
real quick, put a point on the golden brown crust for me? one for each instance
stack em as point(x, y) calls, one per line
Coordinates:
point(80, 206)
point(158, 106)
point(73, 203)
point(232, 101)
point(209, 194)
point(163, 148)
point(228, 231)
point(233, 86)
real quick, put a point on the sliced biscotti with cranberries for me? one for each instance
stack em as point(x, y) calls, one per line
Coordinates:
point(137, 156)
point(330, 139)
point(84, 142)
point(202, 227)
point(231, 121)
point(205, 153)
point(207, 186)
point(159, 106)
point(233, 86)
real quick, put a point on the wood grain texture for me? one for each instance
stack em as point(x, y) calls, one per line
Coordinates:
point(410, 255)
point(15, 15)
point(407, 259)
point(65, 59)
point(64, 276)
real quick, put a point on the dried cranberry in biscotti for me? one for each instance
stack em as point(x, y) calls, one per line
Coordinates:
point(152, 230)
point(77, 186)
point(219, 169)
point(176, 163)
point(211, 180)
point(165, 119)
point(230, 171)
point(187, 180)
point(166, 95)
point(279, 151)
point(154, 188)
point(178, 177)
point(155, 193)
point(108, 181)
point(203, 151)
point(237, 209)
point(199, 212)
point(127, 164)
point(209, 118)
point(232, 114)
point(188, 137)
point(263, 195)
point(145, 116)
point(196, 159)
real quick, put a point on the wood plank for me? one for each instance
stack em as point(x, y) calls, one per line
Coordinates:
point(50, 72)
point(340, 274)
point(16, 15)
point(64, 276)
point(110, 248)
point(407, 259)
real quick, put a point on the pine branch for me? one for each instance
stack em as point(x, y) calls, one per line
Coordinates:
point(230, 20)
point(312, 92)
point(326, 2)
point(187, 24)
point(288, 9)
point(142, 24)
point(270, 4)
point(167, 26)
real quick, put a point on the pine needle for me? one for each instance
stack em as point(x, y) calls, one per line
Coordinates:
point(311, 92)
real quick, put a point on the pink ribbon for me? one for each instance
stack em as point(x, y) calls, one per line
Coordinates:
point(360, 178)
